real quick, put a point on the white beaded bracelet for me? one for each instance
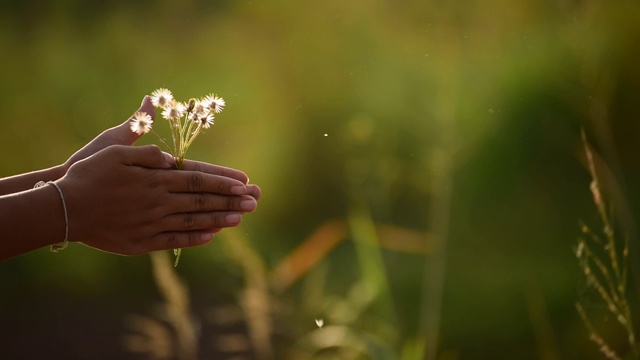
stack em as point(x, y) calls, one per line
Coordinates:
point(62, 245)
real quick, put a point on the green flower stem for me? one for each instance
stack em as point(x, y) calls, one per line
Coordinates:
point(195, 134)
point(177, 253)
point(162, 141)
point(184, 133)
point(187, 135)
point(180, 166)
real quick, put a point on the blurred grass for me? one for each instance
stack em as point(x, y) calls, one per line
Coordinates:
point(327, 102)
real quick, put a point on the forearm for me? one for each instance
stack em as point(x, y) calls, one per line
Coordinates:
point(22, 182)
point(30, 220)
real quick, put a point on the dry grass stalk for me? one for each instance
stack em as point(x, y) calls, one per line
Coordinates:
point(254, 299)
point(604, 269)
point(176, 295)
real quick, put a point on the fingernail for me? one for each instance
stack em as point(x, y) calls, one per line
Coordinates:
point(206, 236)
point(238, 189)
point(248, 205)
point(234, 218)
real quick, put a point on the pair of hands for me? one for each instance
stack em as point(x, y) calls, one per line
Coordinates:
point(131, 200)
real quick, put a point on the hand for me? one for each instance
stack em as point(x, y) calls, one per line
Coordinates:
point(118, 135)
point(130, 200)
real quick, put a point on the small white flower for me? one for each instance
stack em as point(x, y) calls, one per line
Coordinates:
point(200, 110)
point(215, 103)
point(207, 120)
point(161, 97)
point(174, 110)
point(141, 123)
point(319, 323)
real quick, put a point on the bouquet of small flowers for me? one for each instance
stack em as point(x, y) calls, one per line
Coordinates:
point(186, 121)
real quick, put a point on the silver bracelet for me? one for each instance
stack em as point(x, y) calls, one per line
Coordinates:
point(62, 245)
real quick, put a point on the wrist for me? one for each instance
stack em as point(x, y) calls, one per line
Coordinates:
point(20, 211)
point(59, 171)
point(22, 182)
point(63, 244)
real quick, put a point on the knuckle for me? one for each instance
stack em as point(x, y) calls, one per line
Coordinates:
point(232, 203)
point(112, 152)
point(195, 181)
point(172, 240)
point(113, 149)
point(188, 220)
point(201, 202)
point(217, 219)
point(153, 150)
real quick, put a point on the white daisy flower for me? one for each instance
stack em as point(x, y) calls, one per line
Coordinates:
point(161, 97)
point(207, 120)
point(174, 110)
point(141, 123)
point(200, 110)
point(215, 103)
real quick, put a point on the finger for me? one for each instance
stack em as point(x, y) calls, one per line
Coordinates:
point(254, 191)
point(178, 240)
point(170, 159)
point(206, 202)
point(148, 156)
point(122, 133)
point(180, 181)
point(201, 221)
point(216, 170)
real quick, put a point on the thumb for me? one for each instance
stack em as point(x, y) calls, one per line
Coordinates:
point(149, 156)
point(122, 133)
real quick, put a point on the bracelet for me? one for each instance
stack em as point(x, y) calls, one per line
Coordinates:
point(62, 245)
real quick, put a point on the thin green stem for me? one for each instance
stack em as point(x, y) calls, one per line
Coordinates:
point(195, 134)
point(162, 141)
point(184, 133)
point(177, 253)
point(175, 135)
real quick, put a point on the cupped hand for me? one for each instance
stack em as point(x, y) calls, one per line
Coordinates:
point(117, 135)
point(130, 200)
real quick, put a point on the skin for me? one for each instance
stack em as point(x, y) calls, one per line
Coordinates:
point(122, 199)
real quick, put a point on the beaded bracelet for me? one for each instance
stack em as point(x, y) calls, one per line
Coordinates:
point(62, 245)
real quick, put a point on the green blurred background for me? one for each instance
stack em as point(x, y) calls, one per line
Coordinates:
point(422, 160)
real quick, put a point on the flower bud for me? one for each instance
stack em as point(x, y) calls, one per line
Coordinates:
point(191, 104)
